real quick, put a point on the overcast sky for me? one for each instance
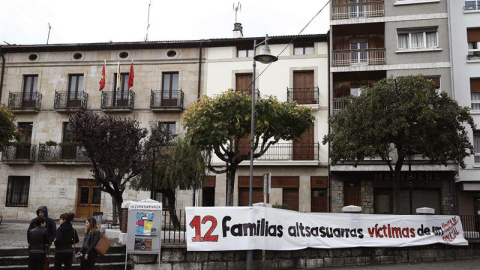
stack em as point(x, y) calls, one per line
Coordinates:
point(85, 21)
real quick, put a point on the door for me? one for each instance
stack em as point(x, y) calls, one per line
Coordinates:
point(24, 148)
point(352, 194)
point(243, 83)
point(29, 91)
point(75, 91)
point(303, 148)
point(357, 8)
point(290, 197)
point(170, 89)
point(88, 198)
point(303, 92)
point(243, 195)
point(359, 54)
point(69, 149)
point(319, 200)
point(121, 92)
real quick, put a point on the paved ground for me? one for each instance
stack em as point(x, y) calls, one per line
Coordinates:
point(446, 265)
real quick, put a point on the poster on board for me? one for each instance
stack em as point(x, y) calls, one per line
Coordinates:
point(144, 226)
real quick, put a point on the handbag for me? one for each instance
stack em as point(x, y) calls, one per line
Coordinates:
point(102, 246)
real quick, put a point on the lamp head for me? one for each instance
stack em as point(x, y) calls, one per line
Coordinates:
point(265, 56)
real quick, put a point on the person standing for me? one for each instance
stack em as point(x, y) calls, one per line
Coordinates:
point(38, 242)
point(51, 227)
point(66, 236)
point(88, 254)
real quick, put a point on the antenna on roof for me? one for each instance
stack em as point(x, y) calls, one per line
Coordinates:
point(48, 37)
point(237, 9)
point(148, 20)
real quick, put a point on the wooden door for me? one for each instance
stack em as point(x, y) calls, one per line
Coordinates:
point(170, 89)
point(290, 197)
point(243, 195)
point(303, 148)
point(75, 91)
point(88, 198)
point(352, 194)
point(243, 83)
point(303, 92)
point(29, 98)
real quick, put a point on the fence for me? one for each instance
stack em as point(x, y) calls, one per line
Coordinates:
point(172, 234)
point(471, 226)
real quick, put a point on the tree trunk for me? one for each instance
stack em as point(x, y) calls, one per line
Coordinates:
point(396, 185)
point(230, 185)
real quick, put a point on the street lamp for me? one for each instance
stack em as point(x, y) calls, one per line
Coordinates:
point(265, 57)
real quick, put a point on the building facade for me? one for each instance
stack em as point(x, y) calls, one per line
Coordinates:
point(464, 18)
point(372, 40)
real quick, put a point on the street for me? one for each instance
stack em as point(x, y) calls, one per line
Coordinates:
point(473, 264)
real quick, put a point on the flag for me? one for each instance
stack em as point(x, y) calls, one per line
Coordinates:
point(102, 80)
point(130, 77)
point(118, 76)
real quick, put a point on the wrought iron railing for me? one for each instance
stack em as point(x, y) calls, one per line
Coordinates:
point(160, 99)
point(57, 153)
point(303, 95)
point(64, 101)
point(249, 92)
point(471, 226)
point(339, 104)
point(14, 153)
point(358, 10)
point(115, 100)
point(359, 57)
point(170, 233)
point(19, 101)
point(287, 151)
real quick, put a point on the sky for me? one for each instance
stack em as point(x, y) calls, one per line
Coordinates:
point(87, 21)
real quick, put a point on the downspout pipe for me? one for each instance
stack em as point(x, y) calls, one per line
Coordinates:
point(2, 73)
point(199, 70)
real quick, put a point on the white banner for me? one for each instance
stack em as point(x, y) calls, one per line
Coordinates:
point(248, 228)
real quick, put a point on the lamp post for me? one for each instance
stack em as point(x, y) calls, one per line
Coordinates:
point(265, 57)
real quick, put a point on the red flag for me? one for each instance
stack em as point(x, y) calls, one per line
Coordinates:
point(130, 77)
point(102, 80)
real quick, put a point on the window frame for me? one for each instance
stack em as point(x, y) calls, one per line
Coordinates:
point(248, 52)
point(30, 95)
point(476, 146)
point(474, 94)
point(476, 6)
point(424, 33)
point(172, 126)
point(22, 201)
point(304, 47)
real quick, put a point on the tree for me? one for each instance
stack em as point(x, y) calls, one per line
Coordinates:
point(8, 129)
point(178, 165)
point(216, 125)
point(114, 146)
point(400, 117)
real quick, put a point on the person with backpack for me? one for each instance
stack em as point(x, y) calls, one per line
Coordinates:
point(51, 227)
point(88, 254)
point(66, 236)
point(37, 244)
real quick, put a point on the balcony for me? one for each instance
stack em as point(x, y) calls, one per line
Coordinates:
point(339, 104)
point(357, 10)
point(65, 103)
point(345, 58)
point(471, 6)
point(18, 102)
point(166, 100)
point(303, 95)
point(288, 151)
point(473, 55)
point(19, 154)
point(58, 154)
point(113, 101)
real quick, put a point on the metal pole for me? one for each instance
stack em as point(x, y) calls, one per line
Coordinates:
point(152, 193)
point(252, 135)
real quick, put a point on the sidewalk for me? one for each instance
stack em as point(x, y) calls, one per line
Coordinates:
point(13, 233)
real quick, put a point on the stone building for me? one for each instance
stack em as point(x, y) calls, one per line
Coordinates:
point(372, 40)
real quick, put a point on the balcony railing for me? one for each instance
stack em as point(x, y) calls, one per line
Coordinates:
point(471, 6)
point(339, 104)
point(65, 102)
point(473, 55)
point(114, 101)
point(161, 100)
point(471, 226)
point(358, 57)
point(257, 93)
point(303, 95)
point(57, 153)
point(18, 102)
point(288, 151)
point(19, 154)
point(358, 10)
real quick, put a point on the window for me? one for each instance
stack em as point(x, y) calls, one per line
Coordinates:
point(170, 85)
point(352, 194)
point(359, 54)
point(303, 49)
point(121, 91)
point(67, 131)
point(355, 91)
point(416, 39)
point(472, 5)
point(17, 191)
point(208, 191)
point(473, 39)
point(75, 89)
point(26, 131)
point(476, 145)
point(30, 83)
point(243, 52)
point(436, 81)
point(357, 8)
point(475, 93)
point(169, 127)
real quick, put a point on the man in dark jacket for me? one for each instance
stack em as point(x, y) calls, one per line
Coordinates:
point(51, 227)
point(37, 244)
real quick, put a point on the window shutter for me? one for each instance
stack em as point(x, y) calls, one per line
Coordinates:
point(475, 85)
point(473, 35)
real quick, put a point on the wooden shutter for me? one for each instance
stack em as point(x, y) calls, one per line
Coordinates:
point(290, 197)
point(303, 148)
point(475, 85)
point(243, 82)
point(473, 35)
point(352, 194)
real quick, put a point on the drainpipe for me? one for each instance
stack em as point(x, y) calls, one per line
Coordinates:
point(199, 70)
point(3, 71)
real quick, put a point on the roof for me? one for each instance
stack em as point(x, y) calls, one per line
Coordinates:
point(221, 42)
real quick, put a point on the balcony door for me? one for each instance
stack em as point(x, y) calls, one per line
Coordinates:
point(23, 150)
point(75, 90)
point(359, 54)
point(303, 148)
point(30, 83)
point(88, 198)
point(357, 8)
point(121, 92)
point(170, 89)
point(303, 87)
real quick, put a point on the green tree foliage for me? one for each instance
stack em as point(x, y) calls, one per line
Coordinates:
point(215, 124)
point(177, 165)
point(397, 118)
point(8, 129)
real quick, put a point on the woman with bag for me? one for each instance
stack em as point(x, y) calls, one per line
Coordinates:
point(66, 236)
point(88, 254)
point(38, 242)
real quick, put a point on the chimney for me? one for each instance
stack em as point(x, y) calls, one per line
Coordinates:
point(237, 30)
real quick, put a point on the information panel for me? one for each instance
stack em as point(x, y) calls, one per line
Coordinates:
point(144, 226)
